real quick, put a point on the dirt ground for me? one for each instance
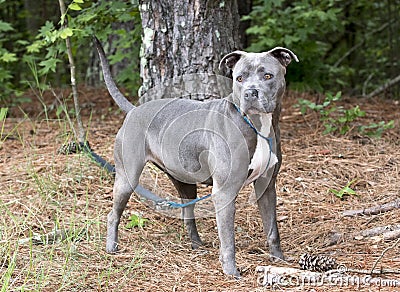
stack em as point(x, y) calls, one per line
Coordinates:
point(43, 190)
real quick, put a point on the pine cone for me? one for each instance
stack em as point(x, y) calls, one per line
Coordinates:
point(318, 263)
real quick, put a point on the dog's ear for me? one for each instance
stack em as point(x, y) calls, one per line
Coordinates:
point(284, 56)
point(231, 59)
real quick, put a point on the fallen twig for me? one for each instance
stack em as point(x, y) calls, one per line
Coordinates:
point(388, 232)
point(385, 86)
point(48, 238)
point(383, 253)
point(354, 48)
point(55, 236)
point(374, 210)
point(373, 272)
point(378, 230)
point(390, 235)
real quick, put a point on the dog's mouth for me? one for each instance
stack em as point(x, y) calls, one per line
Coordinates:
point(247, 113)
point(258, 107)
point(269, 106)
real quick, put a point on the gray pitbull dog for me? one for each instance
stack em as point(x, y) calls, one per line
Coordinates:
point(208, 142)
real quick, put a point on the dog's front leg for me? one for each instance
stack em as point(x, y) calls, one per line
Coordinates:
point(225, 216)
point(266, 200)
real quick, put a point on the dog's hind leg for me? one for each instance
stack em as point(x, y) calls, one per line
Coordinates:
point(188, 191)
point(123, 188)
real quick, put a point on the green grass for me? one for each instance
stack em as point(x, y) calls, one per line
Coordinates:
point(43, 192)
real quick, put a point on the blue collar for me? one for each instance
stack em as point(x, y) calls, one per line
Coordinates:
point(246, 119)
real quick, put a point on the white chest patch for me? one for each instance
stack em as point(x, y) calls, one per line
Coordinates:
point(263, 157)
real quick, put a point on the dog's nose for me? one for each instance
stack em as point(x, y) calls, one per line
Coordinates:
point(251, 94)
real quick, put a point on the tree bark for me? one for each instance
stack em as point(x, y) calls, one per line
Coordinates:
point(185, 37)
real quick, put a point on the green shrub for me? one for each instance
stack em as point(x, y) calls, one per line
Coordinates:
point(342, 45)
point(37, 59)
point(84, 20)
point(8, 59)
point(336, 119)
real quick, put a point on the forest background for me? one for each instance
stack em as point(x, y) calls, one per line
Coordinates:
point(348, 46)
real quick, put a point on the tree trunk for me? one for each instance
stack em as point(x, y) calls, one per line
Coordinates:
point(244, 8)
point(185, 37)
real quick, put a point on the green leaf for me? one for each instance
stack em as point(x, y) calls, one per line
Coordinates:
point(136, 221)
point(59, 110)
point(329, 128)
point(348, 191)
point(35, 47)
point(8, 57)
point(79, 1)
point(87, 17)
point(326, 103)
point(344, 129)
point(22, 42)
point(46, 28)
point(74, 6)
point(334, 192)
point(48, 33)
point(5, 26)
point(338, 96)
point(3, 113)
point(376, 129)
point(66, 32)
point(344, 191)
point(49, 65)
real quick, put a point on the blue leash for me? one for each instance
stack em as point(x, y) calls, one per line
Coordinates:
point(246, 119)
point(175, 205)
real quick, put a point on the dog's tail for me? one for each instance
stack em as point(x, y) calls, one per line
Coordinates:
point(115, 93)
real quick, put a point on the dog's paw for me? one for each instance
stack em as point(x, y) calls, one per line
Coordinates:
point(235, 274)
point(197, 243)
point(276, 258)
point(111, 247)
point(276, 253)
point(232, 271)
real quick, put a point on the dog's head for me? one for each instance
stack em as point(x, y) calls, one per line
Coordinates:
point(258, 78)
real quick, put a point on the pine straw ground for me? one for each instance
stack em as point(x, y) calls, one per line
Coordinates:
point(42, 189)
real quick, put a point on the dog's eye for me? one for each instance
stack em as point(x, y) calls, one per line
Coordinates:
point(267, 76)
point(239, 78)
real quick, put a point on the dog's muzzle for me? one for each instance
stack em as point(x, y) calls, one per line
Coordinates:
point(250, 94)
